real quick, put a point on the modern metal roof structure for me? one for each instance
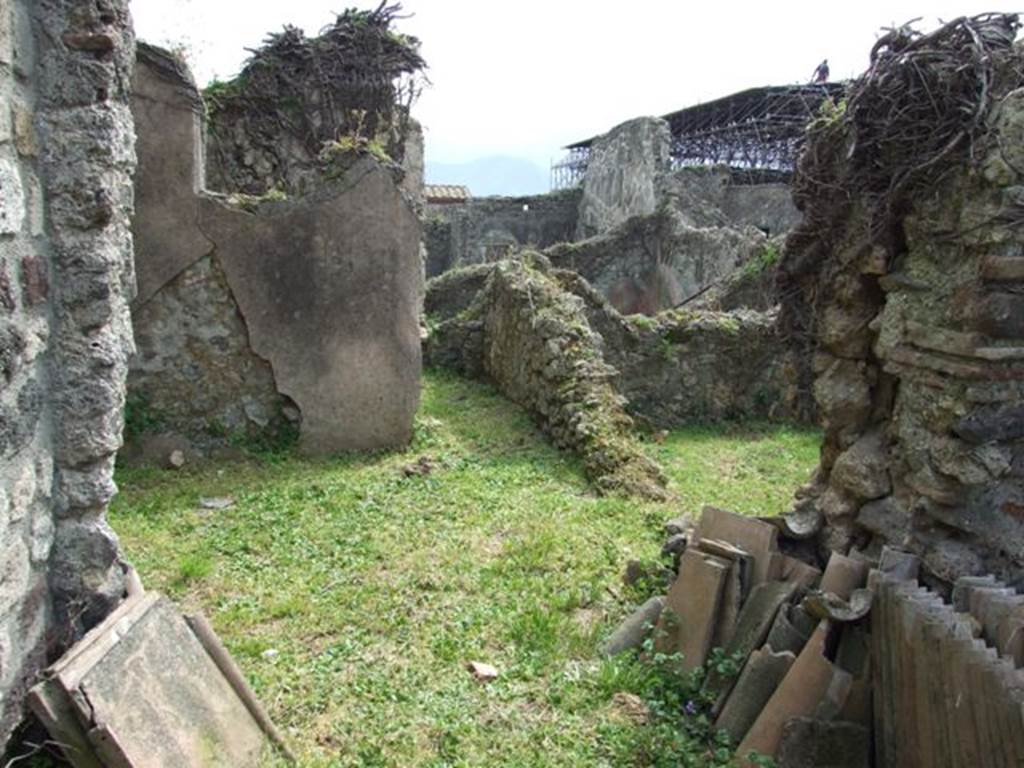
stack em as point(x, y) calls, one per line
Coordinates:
point(756, 130)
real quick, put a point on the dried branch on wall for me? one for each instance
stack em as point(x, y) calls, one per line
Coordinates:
point(355, 83)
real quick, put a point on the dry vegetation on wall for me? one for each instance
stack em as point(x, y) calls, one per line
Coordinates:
point(901, 127)
point(349, 89)
point(903, 124)
point(903, 280)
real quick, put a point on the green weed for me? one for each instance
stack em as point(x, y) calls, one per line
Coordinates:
point(374, 587)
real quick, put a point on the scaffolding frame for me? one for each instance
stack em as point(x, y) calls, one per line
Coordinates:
point(755, 133)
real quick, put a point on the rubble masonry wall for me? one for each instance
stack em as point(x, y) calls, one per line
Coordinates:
point(66, 159)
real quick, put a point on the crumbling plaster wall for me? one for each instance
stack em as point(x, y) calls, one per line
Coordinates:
point(66, 159)
point(486, 229)
point(254, 312)
point(918, 372)
point(195, 369)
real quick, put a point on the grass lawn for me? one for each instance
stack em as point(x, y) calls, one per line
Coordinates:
point(352, 595)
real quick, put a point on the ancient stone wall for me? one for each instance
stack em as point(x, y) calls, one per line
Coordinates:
point(715, 197)
point(622, 175)
point(531, 338)
point(649, 238)
point(490, 228)
point(66, 158)
point(695, 366)
point(918, 331)
point(654, 262)
point(254, 312)
point(300, 105)
point(678, 368)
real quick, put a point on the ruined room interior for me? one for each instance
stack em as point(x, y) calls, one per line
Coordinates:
point(712, 454)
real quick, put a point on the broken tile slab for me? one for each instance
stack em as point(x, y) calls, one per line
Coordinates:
point(935, 622)
point(687, 623)
point(741, 557)
point(818, 743)
point(755, 620)
point(144, 692)
point(761, 675)
point(1010, 636)
point(798, 572)
point(826, 605)
point(843, 575)
point(632, 632)
point(737, 586)
point(963, 586)
point(729, 607)
point(953, 647)
point(1010, 693)
point(787, 632)
point(857, 708)
point(753, 536)
point(799, 693)
point(993, 608)
point(835, 696)
point(899, 565)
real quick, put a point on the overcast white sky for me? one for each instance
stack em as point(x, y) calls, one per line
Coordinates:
point(525, 77)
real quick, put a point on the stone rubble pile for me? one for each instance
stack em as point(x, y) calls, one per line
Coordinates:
point(854, 666)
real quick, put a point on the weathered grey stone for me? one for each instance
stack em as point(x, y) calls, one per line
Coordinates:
point(899, 565)
point(622, 174)
point(654, 262)
point(843, 393)
point(886, 518)
point(674, 546)
point(863, 469)
point(484, 230)
point(678, 525)
point(453, 292)
point(632, 632)
point(1000, 423)
point(674, 370)
point(1002, 315)
point(812, 743)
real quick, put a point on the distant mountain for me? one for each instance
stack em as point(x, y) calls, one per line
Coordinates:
point(498, 175)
